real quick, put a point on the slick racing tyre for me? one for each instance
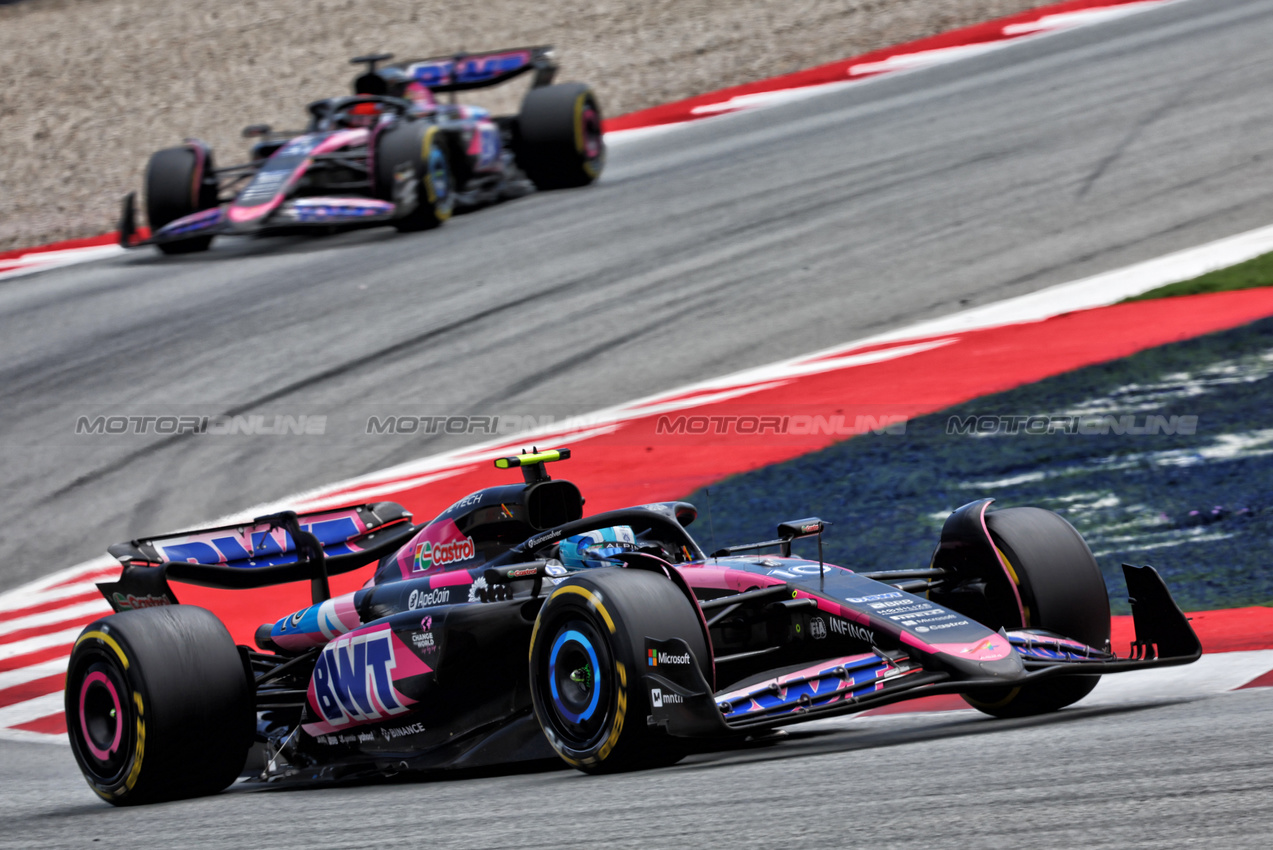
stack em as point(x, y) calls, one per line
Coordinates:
point(176, 187)
point(559, 143)
point(158, 705)
point(413, 171)
point(1061, 591)
point(587, 654)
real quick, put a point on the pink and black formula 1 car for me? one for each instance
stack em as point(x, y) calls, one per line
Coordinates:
point(388, 154)
point(513, 628)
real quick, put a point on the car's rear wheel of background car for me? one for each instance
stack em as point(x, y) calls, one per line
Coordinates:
point(1061, 591)
point(175, 188)
point(158, 705)
point(559, 143)
point(587, 655)
point(412, 166)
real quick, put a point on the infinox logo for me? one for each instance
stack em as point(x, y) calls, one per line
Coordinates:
point(429, 554)
point(853, 630)
point(352, 679)
point(130, 602)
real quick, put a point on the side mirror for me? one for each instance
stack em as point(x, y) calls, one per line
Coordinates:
point(253, 131)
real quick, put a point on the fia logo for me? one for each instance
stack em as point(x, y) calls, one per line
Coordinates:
point(818, 628)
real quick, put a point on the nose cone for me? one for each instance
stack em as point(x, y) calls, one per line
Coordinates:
point(992, 657)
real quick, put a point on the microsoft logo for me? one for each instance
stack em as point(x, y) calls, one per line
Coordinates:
point(654, 657)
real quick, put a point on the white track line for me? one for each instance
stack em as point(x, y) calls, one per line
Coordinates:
point(1215, 673)
point(1096, 291)
point(900, 62)
point(81, 610)
point(1211, 674)
point(35, 644)
point(33, 709)
point(13, 678)
point(42, 261)
point(25, 737)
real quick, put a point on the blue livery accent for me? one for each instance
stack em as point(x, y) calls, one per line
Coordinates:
point(574, 637)
point(472, 69)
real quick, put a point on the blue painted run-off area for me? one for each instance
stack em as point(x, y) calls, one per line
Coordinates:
point(1198, 506)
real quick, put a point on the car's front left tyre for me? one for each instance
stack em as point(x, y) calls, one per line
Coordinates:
point(177, 185)
point(413, 169)
point(587, 655)
point(158, 705)
point(1050, 582)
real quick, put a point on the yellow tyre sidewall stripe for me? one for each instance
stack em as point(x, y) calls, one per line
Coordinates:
point(139, 749)
point(621, 691)
point(430, 191)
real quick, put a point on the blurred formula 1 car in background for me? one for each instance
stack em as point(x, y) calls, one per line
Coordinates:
point(388, 154)
point(511, 628)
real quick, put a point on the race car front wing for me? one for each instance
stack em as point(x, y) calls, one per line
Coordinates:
point(683, 703)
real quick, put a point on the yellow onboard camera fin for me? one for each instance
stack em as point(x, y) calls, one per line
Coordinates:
point(532, 463)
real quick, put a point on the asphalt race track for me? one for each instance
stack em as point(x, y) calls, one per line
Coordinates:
point(1152, 774)
point(727, 244)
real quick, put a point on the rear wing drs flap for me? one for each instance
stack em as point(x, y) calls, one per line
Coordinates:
point(462, 71)
point(273, 549)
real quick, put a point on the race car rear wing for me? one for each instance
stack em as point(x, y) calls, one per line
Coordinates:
point(458, 72)
point(273, 549)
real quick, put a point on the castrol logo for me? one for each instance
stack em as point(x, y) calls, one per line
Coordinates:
point(429, 554)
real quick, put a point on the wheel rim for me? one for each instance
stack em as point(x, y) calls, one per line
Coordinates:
point(591, 133)
point(439, 179)
point(102, 729)
point(577, 677)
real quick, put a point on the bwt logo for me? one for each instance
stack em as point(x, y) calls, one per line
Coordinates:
point(655, 658)
point(429, 554)
point(352, 682)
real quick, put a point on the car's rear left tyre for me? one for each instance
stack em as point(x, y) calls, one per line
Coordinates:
point(158, 705)
point(587, 654)
point(559, 141)
point(176, 186)
point(413, 168)
point(1061, 590)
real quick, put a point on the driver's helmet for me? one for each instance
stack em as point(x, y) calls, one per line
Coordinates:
point(421, 97)
point(362, 114)
point(592, 549)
